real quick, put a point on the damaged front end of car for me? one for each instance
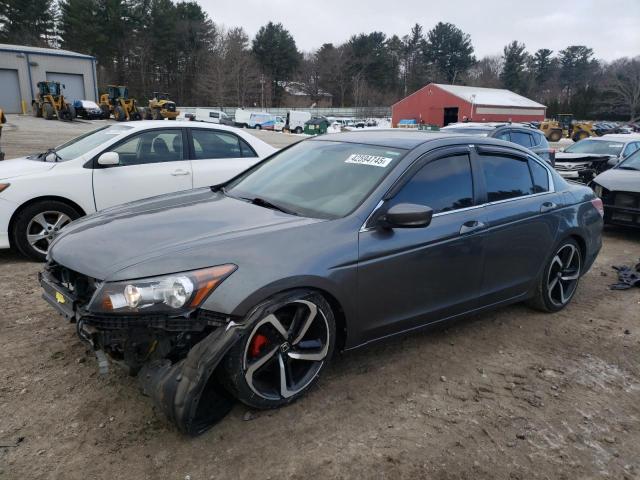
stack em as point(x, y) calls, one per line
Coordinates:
point(155, 329)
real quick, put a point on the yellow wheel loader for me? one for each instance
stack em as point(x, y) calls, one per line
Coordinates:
point(50, 103)
point(559, 127)
point(161, 107)
point(116, 102)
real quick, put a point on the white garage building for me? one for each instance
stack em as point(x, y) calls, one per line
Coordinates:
point(21, 68)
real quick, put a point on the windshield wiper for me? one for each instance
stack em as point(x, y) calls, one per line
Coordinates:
point(261, 202)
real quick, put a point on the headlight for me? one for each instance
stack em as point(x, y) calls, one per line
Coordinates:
point(174, 293)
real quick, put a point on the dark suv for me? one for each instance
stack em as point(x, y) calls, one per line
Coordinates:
point(519, 133)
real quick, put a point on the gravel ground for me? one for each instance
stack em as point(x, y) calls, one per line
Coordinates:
point(512, 394)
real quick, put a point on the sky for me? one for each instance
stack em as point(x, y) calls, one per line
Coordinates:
point(610, 27)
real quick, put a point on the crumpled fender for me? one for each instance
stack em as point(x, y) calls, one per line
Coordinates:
point(183, 392)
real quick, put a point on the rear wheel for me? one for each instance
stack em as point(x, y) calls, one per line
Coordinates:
point(555, 136)
point(560, 278)
point(119, 114)
point(258, 127)
point(39, 224)
point(284, 353)
point(105, 111)
point(580, 136)
point(298, 130)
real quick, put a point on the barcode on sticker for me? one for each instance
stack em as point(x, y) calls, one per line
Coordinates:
point(374, 160)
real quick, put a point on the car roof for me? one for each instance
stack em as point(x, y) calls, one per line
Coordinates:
point(150, 124)
point(392, 137)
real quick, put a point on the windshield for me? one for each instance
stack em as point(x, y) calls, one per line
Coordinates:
point(598, 147)
point(632, 162)
point(87, 142)
point(320, 179)
point(468, 131)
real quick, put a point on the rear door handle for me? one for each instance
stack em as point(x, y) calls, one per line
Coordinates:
point(179, 172)
point(471, 226)
point(547, 207)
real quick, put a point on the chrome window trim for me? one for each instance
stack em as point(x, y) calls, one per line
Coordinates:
point(552, 189)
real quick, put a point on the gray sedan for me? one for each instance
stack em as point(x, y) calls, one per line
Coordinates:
point(245, 290)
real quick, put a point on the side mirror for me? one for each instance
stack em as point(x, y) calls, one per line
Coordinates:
point(407, 215)
point(561, 150)
point(109, 159)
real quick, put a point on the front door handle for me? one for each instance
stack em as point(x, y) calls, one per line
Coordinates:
point(471, 226)
point(179, 172)
point(547, 207)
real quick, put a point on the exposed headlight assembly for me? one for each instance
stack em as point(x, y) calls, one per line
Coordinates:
point(174, 293)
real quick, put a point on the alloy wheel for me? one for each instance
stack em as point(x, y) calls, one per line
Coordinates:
point(286, 350)
point(564, 274)
point(44, 228)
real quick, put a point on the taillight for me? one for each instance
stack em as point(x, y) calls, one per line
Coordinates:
point(597, 203)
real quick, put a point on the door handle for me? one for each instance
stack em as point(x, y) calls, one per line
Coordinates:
point(547, 207)
point(179, 172)
point(471, 226)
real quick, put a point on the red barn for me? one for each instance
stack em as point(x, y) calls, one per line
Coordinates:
point(439, 104)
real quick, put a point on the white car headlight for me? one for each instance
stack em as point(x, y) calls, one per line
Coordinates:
point(172, 293)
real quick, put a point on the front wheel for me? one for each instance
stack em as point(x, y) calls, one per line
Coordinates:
point(38, 225)
point(284, 352)
point(560, 278)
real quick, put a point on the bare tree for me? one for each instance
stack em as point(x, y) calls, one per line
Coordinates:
point(624, 85)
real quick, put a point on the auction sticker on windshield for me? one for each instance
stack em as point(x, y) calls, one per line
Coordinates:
point(374, 160)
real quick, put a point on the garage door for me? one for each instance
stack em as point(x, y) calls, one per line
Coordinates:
point(73, 84)
point(10, 91)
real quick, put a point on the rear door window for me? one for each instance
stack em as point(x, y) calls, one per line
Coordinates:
point(505, 177)
point(540, 177)
point(521, 138)
point(445, 184)
point(215, 144)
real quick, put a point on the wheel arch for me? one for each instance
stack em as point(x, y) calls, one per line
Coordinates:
point(30, 202)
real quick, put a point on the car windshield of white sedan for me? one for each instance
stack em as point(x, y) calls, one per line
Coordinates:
point(597, 147)
point(87, 142)
point(319, 179)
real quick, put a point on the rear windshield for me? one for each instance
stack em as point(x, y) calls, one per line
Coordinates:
point(597, 147)
point(319, 179)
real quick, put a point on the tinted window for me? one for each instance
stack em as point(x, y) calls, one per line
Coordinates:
point(521, 138)
point(247, 151)
point(443, 185)
point(631, 147)
point(215, 144)
point(505, 177)
point(540, 177)
point(213, 114)
point(504, 136)
point(153, 146)
point(540, 139)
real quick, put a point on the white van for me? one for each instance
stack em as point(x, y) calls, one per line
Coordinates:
point(242, 117)
point(296, 120)
point(266, 121)
point(212, 116)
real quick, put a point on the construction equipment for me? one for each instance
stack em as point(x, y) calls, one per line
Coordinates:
point(563, 126)
point(50, 103)
point(161, 107)
point(116, 102)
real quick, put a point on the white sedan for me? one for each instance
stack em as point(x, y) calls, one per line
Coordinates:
point(115, 164)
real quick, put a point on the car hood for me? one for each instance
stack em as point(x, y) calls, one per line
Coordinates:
point(19, 167)
point(617, 179)
point(166, 234)
point(581, 157)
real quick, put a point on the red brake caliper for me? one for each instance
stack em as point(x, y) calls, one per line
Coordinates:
point(257, 343)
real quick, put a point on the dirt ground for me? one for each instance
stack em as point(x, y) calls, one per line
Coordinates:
point(512, 394)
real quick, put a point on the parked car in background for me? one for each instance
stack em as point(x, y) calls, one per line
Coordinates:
point(587, 158)
point(41, 194)
point(295, 120)
point(242, 117)
point(619, 189)
point(266, 121)
point(521, 134)
point(213, 116)
point(330, 244)
point(88, 110)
